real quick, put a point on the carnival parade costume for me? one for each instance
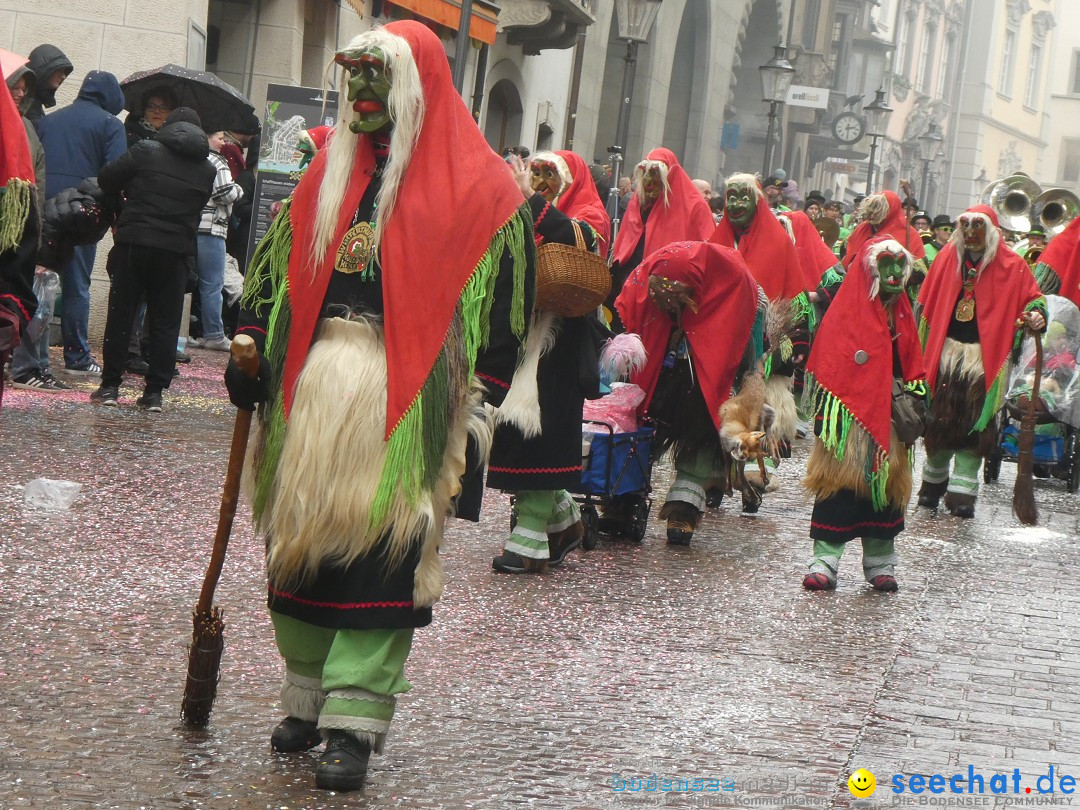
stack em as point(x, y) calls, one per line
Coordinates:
point(558, 373)
point(860, 468)
point(971, 305)
point(1058, 269)
point(883, 215)
point(367, 406)
point(695, 305)
point(664, 208)
point(822, 270)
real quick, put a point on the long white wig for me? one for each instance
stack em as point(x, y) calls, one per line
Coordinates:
point(406, 108)
point(993, 240)
point(748, 180)
point(639, 173)
point(871, 263)
point(874, 209)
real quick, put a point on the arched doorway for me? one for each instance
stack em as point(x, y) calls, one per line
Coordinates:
point(503, 125)
point(686, 97)
point(747, 110)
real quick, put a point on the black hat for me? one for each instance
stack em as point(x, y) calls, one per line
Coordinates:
point(184, 115)
point(909, 202)
point(920, 215)
point(1036, 230)
point(773, 180)
point(815, 196)
point(942, 221)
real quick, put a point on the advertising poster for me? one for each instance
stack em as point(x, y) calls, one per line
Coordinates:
point(290, 112)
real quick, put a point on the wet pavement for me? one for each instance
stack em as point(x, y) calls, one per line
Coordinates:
point(708, 662)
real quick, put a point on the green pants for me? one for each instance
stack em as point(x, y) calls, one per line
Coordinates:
point(965, 471)
point(343, 679)
point(539, 512)
point(879, 557)
point(693, 472)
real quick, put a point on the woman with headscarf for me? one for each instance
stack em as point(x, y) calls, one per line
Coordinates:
point(379, 318)
point(974, 304)
point(860, 468)
point(664, 207)
point(559, 372)
point(883, 214)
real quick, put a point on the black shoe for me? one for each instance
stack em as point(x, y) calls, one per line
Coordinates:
point(150, 401)
point(293, 734)
point(930, 493)
point(138, 366)
point(343, 766)
point(182, 358)
point(562, 543)
point(510, 563)
point(714, 496)
point(960, 505)
point(106, 395)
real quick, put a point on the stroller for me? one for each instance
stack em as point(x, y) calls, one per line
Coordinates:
point(615, 465)
point(1057, 429)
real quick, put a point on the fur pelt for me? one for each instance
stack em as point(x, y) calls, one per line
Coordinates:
point(958, 400)
point(779, 396)
point(332, 458)
point(746, 421)
point(827, 475)
point(521, 407)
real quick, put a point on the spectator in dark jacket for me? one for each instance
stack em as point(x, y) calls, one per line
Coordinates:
point(166, 183)
point(78, 141)
point(157, 104)
point(51, 67)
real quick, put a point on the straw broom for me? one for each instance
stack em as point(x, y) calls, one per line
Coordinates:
point(207, 639)
point(1024, 506)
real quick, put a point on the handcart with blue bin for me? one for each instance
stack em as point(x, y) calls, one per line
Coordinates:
point(1057, 414)
point(615, 466)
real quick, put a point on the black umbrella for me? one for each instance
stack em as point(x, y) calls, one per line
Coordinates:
point(219, 104)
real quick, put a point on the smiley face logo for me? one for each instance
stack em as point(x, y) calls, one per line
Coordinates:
point(862, 783)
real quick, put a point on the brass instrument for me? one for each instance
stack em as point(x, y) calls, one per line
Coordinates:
point(829, 229)
point(1054, 209)
point(1012, 199)
point(1032, 257)
point(926, 236)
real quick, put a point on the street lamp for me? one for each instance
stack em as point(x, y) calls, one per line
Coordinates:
point(635, 19)
point(929, 143)
point(776, 77)
point(877, 114)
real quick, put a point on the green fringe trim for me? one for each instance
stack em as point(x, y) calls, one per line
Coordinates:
point(831, 277)
point(803, 310)
point(14, 211)
point(417, 443)
point(1049, 281)
point(924, 331)
point(836, 422)
point(995, 398)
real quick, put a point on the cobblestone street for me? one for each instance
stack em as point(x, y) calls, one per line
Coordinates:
point(708, 662)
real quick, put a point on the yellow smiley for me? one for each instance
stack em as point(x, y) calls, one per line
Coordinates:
point(862, 783)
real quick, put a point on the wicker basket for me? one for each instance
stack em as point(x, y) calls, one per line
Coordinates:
point(570, 280)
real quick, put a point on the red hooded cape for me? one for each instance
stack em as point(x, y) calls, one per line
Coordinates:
point(1062, 255)
point(865, 389)
point(685, 216)
point(429, 250)
point(16, 164)
point(726, 297)
point(894, 225)
point(815, 257)
point(769, 253)
point(1003, 289)
point(582, 200)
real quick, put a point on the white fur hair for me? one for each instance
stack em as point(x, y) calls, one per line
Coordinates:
point(786, 222)
point(406, 108)
point(871, 261)
point(874, 209)
point(560, 166)
point(746, 179)
point(639, 173)
point(993, 240)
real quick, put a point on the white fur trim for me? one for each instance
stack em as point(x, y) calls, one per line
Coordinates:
point(871, 261)
point(366, 730)
point(521, 407)
point(779, 396)
point(300, 699)
point(639, 172)
point(746, 179)
point(993, 240)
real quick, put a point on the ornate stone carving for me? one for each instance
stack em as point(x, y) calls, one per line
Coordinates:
point(1042, 24)
point(516, 13)
point(1009, 162)
point(934, 9)
point(901, 86)
point(1016, 10)
point(918, 121)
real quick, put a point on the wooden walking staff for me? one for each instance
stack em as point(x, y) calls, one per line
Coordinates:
point(1024, 506)
point(207, 639)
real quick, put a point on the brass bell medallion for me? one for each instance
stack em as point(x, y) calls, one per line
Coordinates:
point(355, 250)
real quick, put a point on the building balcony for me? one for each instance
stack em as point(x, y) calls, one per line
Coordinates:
point(538, 25)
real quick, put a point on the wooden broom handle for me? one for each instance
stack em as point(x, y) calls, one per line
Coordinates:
point(246, 358)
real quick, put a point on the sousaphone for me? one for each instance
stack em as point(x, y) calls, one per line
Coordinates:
point(1054, 209)
point(1012, 198)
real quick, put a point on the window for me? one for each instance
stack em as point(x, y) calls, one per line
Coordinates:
point(944, 78)
point(1031, 92)
point(903, 37)
point(1074, 88)
point(1070, 160)
point(1008, 57)
point(924, 77)
point(810, 24)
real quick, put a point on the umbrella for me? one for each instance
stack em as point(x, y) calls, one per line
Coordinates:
point(219, 104)
point(10, 62)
